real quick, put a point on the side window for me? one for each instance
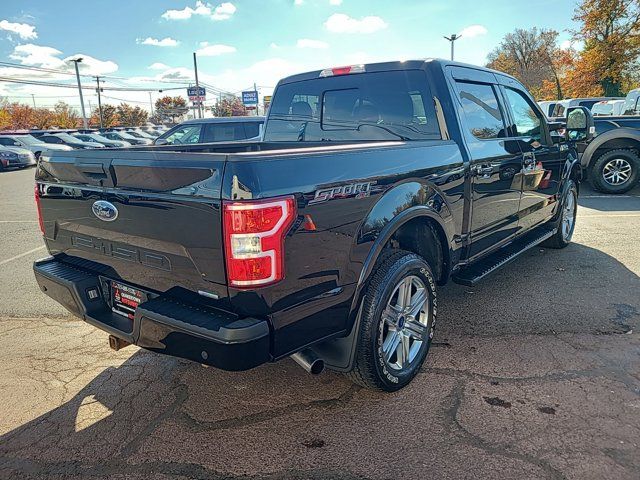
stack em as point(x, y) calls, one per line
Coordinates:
point(480, 105)
point(526, 118)
point(222, 132)
point(251, 129)
point(8, 141)
point(184, 135)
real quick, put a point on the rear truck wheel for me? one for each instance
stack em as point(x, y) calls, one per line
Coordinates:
point(397, 322)
point(566, 222)
point(615, 171)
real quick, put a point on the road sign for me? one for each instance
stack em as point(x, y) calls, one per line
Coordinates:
point(266, 100)
point(196, 94)
point(250, 98)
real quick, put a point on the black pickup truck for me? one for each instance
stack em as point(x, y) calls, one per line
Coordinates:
point(325, 241)
point(611, 160)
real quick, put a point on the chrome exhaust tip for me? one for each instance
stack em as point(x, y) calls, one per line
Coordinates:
point(309, 360)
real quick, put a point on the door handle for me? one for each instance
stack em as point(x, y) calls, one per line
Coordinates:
point(529, 158)
point(482, 170)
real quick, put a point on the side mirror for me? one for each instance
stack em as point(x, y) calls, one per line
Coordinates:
point(160, 141)
point(580, 126)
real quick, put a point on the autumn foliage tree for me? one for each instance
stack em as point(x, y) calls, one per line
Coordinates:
point(610, 31)
point(131, 116)
point(169, 108)
point(109, 117)
point(607, 64)
point(229, 107)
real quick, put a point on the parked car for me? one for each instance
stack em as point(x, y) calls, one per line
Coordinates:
point(69, 140)
point(560, 109)
point(97, 138)
point(16, 157)
point(325, 241)
point(125, 137)
point(206, 130)
point(29, 142)
point(548, 106)
point(608, 108)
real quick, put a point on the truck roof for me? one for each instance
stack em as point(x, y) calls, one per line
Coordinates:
point(396, 65)
point(245, 119)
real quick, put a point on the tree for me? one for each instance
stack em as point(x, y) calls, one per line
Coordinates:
point(21, 116)
point(64, 116)
point(42, 118)
point(131, 116)
point(532, 56)
point(170, 108)
point(229, 107)
point(109, 117)
point(610, 30)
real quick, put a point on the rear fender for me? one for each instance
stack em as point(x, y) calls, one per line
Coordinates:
point(398, 206)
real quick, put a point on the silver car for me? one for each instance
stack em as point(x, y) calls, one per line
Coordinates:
point(15, 157)
point(31, 143)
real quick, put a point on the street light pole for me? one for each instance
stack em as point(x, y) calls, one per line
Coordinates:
point(452, 40)
point(84, 115)
point(195, 68)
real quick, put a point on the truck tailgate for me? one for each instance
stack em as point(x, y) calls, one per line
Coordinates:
point(152, 217)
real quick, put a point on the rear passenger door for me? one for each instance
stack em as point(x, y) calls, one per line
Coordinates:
point(542, 160)
point(495, 162)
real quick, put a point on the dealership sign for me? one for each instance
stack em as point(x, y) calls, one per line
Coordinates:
point(250, 98)
point(196, 94)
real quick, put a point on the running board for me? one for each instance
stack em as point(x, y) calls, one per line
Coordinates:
point(477, 271)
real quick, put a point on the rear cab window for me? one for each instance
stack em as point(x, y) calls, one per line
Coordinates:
point(393, 105)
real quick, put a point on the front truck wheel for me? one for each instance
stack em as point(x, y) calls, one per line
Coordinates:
point(397, 322)
point(615, 171)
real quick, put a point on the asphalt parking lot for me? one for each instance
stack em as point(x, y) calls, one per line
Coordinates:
point(534, 374)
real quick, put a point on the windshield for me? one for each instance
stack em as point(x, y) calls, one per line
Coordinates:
point(28, 140)
point(126, 135)
point(100, 138)
point(395, 105)
point(600, 109)
point(68, 138)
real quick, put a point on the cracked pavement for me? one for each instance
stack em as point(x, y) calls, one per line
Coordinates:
point(535, 373)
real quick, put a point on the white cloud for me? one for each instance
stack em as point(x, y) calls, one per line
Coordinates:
point(207, 50)
point(274, 45)
point(49, 57)
point(224, 11)
point(341, 23)
point(179, 73)
point(308, 43)
point(473, 31)
point(335, 2)
point(298, 2)
point(23, 30)
point(158, 66)
point(165, 42)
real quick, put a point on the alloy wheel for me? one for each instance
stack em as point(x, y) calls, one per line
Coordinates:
point(406, 323)
point(617, 171)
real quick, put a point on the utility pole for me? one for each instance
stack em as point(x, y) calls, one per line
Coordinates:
point(34, 100)
point(99, 101)
point(255, 89)
point(195, 68)
point(84, 115)
point(151, 104)
point(452, 39)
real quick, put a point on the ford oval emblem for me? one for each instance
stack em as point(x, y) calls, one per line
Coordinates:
point(104, 210)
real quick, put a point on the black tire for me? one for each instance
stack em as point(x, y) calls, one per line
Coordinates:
point(370, 368)
point(562, 237)
point(596, 173)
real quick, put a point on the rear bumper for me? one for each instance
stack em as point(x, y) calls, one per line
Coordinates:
point(164, 325)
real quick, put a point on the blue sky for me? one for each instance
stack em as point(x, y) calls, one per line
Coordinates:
point(147, 44)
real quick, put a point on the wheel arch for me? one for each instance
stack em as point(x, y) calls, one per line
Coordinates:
point(620, 138)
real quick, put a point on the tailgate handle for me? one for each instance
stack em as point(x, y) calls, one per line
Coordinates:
point(94, 170)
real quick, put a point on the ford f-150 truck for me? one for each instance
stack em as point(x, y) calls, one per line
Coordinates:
point(325, 241)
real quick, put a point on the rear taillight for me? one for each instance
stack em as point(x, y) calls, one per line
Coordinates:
point(36, 192)
point(254, 234)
